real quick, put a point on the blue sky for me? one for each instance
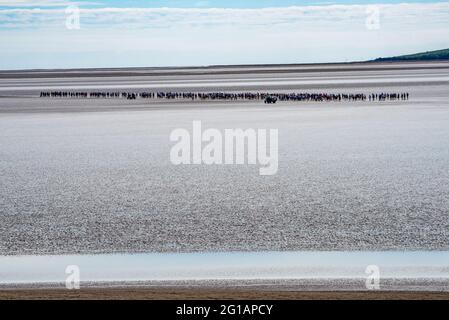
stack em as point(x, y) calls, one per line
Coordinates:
point(178, 33)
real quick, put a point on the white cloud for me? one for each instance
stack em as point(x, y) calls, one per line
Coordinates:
point(318, 16)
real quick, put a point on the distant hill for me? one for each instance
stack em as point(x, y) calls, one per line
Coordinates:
point(423, 56)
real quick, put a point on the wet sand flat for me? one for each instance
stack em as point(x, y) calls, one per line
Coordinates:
point(94, 176)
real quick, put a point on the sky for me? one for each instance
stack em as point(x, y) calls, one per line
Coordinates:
point(47, 34)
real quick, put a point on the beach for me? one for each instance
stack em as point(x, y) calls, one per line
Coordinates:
point(93, 176)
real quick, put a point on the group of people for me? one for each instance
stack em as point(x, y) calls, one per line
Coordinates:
point(388, 96)
point(230, 96)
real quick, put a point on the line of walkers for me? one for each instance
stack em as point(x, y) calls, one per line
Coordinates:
point(318, 97)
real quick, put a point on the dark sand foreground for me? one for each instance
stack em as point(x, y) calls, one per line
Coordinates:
point(210, 294)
